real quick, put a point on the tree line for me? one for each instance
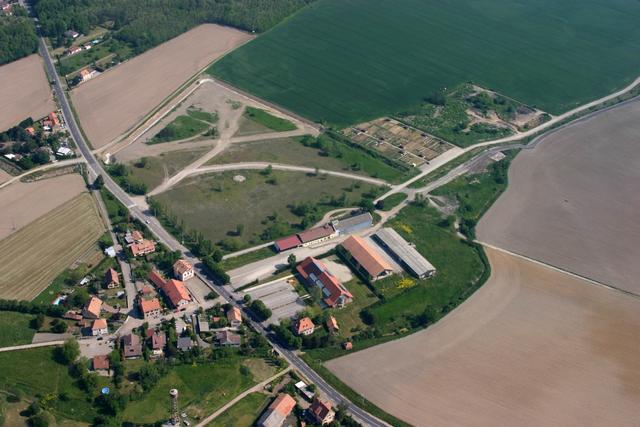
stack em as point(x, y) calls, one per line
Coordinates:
point(17, 36)
point(144, 24)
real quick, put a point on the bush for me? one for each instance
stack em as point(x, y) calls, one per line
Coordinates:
point(261, 311)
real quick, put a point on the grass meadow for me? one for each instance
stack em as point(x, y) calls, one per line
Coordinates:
point(242, 414)
point(346, 62)
point(16, 328)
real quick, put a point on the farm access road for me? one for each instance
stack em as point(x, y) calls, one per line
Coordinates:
point(95, 169)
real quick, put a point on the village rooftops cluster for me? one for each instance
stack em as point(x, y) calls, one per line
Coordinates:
point(174, 290)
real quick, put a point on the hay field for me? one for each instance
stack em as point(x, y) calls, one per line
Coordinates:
point(24, 91)
point(351, 61)
point(32, 257)
point(573, 201)
point(532, 347)
point(115, 101)
point(24, 202)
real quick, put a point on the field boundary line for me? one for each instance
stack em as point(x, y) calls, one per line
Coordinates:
point(28, 346)
point(589, 280)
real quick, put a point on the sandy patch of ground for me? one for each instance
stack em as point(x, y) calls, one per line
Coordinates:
point(23, 203)
point(114, 102)
point(573, 202)
point(4, 176)
point(532, 347)
point(24, 91)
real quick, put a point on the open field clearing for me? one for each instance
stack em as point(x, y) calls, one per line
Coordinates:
point(489, 361)
point(215, 204)
point(23, 202)
point(244, 413)
point(24, 92)
point(115, 101)
point(572, 202)
point(16, 328)
point(32, 257)
point(351, 61)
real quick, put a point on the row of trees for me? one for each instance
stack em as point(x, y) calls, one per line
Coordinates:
point(143, 24)
point(17, 36)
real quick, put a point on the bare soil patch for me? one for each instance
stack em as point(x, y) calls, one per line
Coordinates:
point(114, 102)
point(23, 203)
point(31, 258)
point(573, 201)
point(532, 347)
point(24, 91)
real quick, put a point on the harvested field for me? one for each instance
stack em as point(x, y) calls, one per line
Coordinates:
point(532, 347)
point(573, 201)
point(114, 102)
point(24, 92)
point(32, 257)
point(23, 202)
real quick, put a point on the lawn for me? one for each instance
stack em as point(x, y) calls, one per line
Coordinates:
point(347, 62)
point(392, 201)
point(182, 127)
point(323, 152)
point(151, 171)
point(16, 328)
point(244, 413)
point(203, 389)
point(34, 372)
point(262, 205)
point(248, 258)
point(33, 256)
point(204, 116)
point(349, 317)
point(268, 120)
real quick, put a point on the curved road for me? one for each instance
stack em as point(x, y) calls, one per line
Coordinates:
point(95, 169)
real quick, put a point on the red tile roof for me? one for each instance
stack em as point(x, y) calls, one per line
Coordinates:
point(137, 236)
point(93, 306)
point(287, 243)
point(283, 404)
point(99, 324)
point(176, 292)
point(155, 278)
point(320, 409)
point(142, 248)
point(316, 233)
point(234, 315)
point(332, 324)
point(111, 276)
point(181, 266)
point(312, 269)
point(366, 256)
point(149, 305)
point(304, 324)
point(100, 362)
point(158, 340)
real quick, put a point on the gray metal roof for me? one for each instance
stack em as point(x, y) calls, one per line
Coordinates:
point(353, 221)
point(404, 251)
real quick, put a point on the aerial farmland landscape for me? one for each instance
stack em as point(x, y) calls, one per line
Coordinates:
point(319, 212)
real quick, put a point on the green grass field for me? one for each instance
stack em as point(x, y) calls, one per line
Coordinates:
point(393, 200)
point(153, 170)
point(268, 120)
point(16, 328)
point(244, 413)
point(203, 389)
point(248, 258)
point(349, 317)
point(182, 127)
point(347, 62)
point(215, 204)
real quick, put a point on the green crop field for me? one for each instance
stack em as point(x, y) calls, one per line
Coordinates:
point(348, 61)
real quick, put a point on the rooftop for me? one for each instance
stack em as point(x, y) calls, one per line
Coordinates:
point(366, 255)
point(353, 221)
point(405, 252)
point(176, 292)
point(304, 324)
point(99, 324)
point(100, 362)
point(181, 266)
point(316, 233)
point(149, 305)
point(287, 243)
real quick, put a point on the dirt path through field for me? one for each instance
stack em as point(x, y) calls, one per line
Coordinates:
point(532, 347)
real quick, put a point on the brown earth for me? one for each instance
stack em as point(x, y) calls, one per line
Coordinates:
point(532, 347)
point(573, 202)
point(115, 101)
point(32, 257)
point(24, 91)
point(23, 203)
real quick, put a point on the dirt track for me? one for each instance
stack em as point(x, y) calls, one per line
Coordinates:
point(112, 103)
point(532, 347)
point(24, 91)
point(25, 202)
point(573, 202)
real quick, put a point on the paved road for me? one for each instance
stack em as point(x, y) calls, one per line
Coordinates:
point(28, 346)
point(95, 169)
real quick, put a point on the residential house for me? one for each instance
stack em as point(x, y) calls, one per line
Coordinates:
point(365, 258)
point(72, 315)
point(99, 327)
point(100, 363)
point(317, 235)
point(176, 292)
point(228, 338)
point(133, 237)
point(110, 252)
point(277, 413)
point(30, 130)
point(332, 325)
point(183, 270)
point(131, 346)
point(150, 308)
point(321, 412)
point(92, 308)
point(142, 248)
point(73, 50)
point(203, 323)
point(315, 273)
point(71, 34)
point(111, 279)
point(234, 316)
point(304, 326)
point(87, 74)
point(304, 390)
point(185, 343)
point(157, 340)
point(64, 151)
point(55, 122)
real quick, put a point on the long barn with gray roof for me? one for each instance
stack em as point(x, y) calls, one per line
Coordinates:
point(404, 253)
